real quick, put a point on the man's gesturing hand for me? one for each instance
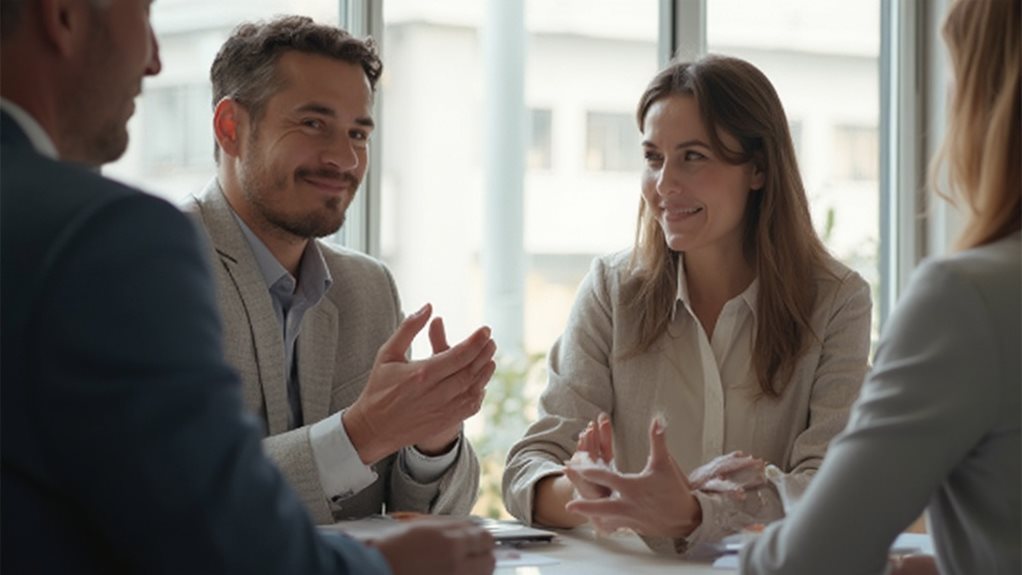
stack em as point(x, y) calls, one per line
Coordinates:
point(405, 402)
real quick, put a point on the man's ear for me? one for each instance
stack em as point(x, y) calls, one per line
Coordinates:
point(228, 117)
point(65, 24)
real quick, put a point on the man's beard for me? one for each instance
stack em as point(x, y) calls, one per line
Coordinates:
point(258, 184)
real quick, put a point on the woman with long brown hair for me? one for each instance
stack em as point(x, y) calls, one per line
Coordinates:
point(938, 423)
point(728, 319)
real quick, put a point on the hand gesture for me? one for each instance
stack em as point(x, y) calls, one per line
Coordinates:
point(730, 474)
point(595, 447)
point(407, 401)
point(440, 442)
point(438, 547)
point(657, 501)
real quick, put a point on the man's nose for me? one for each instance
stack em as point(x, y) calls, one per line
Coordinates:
point(154, 65)
point(341, 155)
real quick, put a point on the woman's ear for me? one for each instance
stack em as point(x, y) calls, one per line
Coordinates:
point(758, 179)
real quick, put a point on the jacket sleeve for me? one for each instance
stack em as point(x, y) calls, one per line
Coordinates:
point(454, 493)
point(160, 457)
point(914, 421)
point(292, 453)
point(578, 389)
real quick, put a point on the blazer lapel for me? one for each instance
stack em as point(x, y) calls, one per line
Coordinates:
point(247, 282)
point(317, 348)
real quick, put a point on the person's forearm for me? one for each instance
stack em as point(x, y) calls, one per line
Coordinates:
point(552, 493)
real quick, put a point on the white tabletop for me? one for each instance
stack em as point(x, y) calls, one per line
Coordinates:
point(581, 552)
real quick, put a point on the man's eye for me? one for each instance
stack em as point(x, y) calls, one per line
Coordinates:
point(313, 123)
point(360, 135)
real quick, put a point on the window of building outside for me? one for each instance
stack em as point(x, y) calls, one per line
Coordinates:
point(539, 156)
point(823, 58)
point(856, 149)
point(611, 141)
point(177, 125)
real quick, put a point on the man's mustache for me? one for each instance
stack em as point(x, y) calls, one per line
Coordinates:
point(328, 174)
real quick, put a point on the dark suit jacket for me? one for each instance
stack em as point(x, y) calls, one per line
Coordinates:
point(124, 446)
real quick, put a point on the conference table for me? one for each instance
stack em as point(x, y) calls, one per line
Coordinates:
point(581, 552)
point(578, 551)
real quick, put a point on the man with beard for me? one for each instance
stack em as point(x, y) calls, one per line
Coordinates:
point(125, 448)
point(354, 425)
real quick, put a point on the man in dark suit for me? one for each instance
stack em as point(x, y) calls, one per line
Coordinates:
point(123, 444)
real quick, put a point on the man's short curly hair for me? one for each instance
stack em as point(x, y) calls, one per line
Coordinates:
point(245, 67)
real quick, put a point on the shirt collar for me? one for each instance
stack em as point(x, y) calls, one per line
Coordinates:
point(313, 275)
point(35, 133)
point(749, 295)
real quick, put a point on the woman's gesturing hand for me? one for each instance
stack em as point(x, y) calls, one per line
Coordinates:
point(657, 501)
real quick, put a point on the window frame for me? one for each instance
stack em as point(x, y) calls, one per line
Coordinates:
point(912, 104)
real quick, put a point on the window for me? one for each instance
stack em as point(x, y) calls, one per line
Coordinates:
point(795, 126)
point(612, 142)
point(540, 140)
point(856, 153)
point(178, 128)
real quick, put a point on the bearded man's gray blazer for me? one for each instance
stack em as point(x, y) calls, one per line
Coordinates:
point(335, 352)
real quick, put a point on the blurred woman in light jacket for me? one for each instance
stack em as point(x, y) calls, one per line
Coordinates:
point(728, 318)
point(937, 425)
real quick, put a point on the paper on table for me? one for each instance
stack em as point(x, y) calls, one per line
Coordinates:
point(515, 558)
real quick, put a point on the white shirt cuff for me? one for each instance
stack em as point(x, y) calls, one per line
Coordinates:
point(428, 468)
point(341, 471)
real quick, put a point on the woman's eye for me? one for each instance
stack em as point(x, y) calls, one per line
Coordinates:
point(693, 155)
point(313, 123)
point(652, 157)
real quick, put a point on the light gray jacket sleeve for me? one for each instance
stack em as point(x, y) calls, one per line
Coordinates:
point(578, 389)
point(926, 403)
point(454, 493)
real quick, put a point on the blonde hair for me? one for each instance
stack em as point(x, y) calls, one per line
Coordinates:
point(779, 240)
point(981, 149)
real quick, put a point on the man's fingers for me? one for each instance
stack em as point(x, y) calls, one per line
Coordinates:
point(395, 348)
point(457, 358)
point(438, 335)
point(485, 357)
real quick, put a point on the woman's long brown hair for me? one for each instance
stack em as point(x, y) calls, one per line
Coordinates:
point(734, 97)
